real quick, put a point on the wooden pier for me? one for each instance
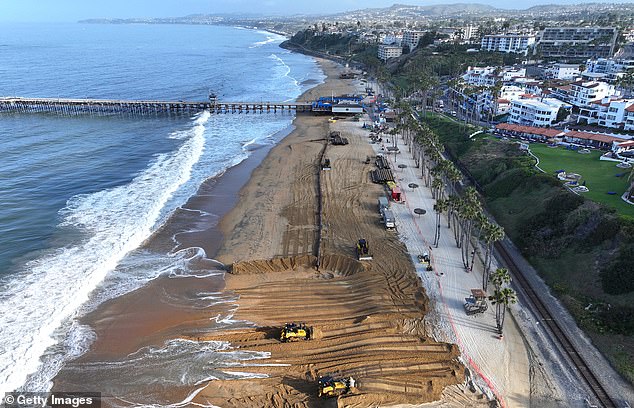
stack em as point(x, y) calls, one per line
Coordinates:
point(106, 107)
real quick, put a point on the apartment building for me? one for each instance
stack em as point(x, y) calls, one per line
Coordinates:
point(608, 112)
point(516, 43)
point(582, 93)
point(535, 112)
point(480, 76)
point(562, 71)
point(389, 51)
point(411, 38)
point(629, 118)
point(612, 68)
point(576, 43)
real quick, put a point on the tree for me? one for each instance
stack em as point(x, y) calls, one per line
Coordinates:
point(492, 233)
point(469, 211)
point(500, 277)
point(502, 299)
point(440, 207)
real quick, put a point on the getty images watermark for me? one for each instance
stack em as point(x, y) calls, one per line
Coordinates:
point(51, 399)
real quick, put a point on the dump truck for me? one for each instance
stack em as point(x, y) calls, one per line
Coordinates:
point(476, 303)
point(331, 387)
point(363, 250)
point(295, 332)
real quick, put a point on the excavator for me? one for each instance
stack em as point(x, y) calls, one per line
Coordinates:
point(363, 250)
point(330, 387)
point(295, 332)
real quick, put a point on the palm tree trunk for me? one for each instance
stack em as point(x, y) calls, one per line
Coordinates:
point(502, 317)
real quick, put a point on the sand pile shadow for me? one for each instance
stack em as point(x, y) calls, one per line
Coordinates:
point(341, 265)
point(286, 264)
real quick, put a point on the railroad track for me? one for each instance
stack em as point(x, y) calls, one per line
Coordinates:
point(602, 396)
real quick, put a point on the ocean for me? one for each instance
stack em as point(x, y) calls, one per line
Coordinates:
point(79, 195)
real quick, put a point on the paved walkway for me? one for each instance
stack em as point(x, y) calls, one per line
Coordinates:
point(502, 366)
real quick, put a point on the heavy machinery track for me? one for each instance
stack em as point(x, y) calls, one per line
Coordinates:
point(559, 334)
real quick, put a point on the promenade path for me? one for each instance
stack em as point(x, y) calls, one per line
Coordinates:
point(499, 365)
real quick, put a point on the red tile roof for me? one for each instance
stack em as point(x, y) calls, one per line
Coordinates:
point(503, 101)
point(625, 144)
point(630, 108)
point(592, 136)
point(531, 130)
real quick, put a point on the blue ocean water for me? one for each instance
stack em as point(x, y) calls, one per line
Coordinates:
point(80, 194)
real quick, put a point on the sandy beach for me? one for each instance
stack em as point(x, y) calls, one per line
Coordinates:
point(368, 317)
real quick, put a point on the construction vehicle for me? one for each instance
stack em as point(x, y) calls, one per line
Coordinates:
point(476, 303)
point(295, 332)
point(363, 250)
point(330, 387)
point(384, 204)
point(426, 260)
point(388, 219)
point(326, 164)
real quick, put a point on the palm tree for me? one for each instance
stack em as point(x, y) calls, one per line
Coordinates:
point(502, 299)
point(440, 207)
point(469, 211)
point(453, 175)
point(492, 233)
point(500, 277)
point(452, 202)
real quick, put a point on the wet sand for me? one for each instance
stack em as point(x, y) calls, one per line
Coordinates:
point(368, 316)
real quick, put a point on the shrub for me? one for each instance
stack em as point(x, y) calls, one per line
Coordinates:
point(617, 277)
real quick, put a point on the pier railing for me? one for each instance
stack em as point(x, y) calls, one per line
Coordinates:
point(141, 107)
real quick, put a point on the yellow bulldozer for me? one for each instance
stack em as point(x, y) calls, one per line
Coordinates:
point(330, 387)
point(295, 332)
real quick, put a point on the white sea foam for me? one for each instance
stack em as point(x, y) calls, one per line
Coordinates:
point(286, 72)
point(261, 43)
point(242, 375)
point(53, 287)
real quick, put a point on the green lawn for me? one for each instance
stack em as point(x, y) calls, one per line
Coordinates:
point(599, 176)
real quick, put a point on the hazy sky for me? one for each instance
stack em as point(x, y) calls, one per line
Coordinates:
point(73, 10)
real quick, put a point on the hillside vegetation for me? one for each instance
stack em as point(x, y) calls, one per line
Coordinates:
point(584, 250)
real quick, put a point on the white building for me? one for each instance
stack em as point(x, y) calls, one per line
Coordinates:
point(516, 43)
point(411, 38)
point(511, 92)
point(610, 67)
point(535, 112)
point(562, 71)
point(391, 39)
point(582, 93)
point(511, 74)
point(629, 118)
point(468, 32)
point(389, 51)
point(480, 76)
point(608, 112)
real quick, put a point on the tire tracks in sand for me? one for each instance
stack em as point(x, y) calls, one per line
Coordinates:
point(368, 317)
